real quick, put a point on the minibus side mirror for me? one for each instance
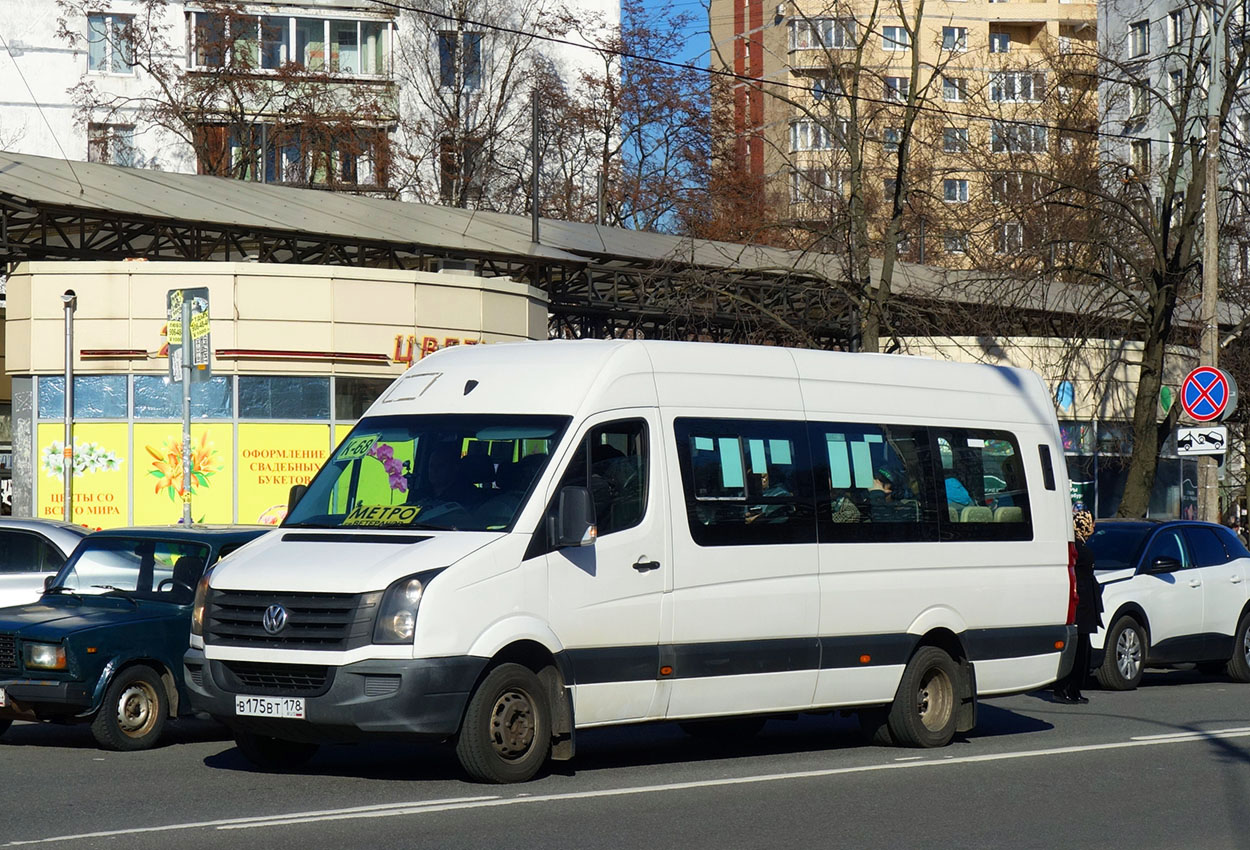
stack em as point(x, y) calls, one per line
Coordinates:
point(47, 582)
point(297, 493)
point(573, 521)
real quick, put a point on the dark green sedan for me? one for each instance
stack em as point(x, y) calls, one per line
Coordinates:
point(104, 643)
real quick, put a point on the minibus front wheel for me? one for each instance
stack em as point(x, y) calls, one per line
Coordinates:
point(925, 709)
point(506, 733)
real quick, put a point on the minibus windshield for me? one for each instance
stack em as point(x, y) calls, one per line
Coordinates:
point(466, 472)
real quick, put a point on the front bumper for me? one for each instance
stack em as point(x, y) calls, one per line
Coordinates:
point(44, 699)
point(420, 698)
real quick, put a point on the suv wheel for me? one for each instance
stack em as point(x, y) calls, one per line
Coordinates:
point(1124, 657)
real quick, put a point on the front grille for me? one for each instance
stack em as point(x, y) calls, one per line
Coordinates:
point(8, 652)
point(250, 677)
point(329, 621)
point(381, 685)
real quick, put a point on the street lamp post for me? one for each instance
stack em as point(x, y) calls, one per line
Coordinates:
point(1208, 467)
point(67, 453)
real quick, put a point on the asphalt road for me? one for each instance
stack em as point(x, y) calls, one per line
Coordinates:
point(1166, 766)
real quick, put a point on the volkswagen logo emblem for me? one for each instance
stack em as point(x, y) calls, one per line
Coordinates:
point(274, 620)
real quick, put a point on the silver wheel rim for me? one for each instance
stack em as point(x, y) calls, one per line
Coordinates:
point(137, 709)
point(512, 725)
point(1128, 654)
point(1245, 644)
point(935, 700)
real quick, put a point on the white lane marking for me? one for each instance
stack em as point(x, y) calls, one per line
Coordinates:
point(1187, 734)
point(909, 758)
point(358, 810)
point(435, 806)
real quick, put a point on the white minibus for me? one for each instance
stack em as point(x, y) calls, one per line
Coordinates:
point(520, 541)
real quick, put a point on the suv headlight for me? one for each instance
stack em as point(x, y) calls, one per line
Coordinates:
point(397, 615)
point(44, 656)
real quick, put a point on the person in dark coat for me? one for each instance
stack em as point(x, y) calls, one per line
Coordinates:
point(1088, 611)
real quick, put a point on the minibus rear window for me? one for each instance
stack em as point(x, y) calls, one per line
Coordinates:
point(467, 472)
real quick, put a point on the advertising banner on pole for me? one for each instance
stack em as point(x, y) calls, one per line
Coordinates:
point(197, 353)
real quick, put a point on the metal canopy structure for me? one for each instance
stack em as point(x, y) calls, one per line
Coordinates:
point(601, 281)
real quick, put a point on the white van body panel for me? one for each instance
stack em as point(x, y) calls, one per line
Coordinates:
point(614, 628)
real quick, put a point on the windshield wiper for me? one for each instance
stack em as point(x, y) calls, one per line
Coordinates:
point(116, 591)
point(60, 588)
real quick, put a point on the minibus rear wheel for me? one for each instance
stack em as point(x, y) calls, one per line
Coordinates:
point(924, 712)
point(506, 733)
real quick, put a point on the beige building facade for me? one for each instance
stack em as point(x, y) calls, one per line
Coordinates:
point(995, 85)
point(298, 354)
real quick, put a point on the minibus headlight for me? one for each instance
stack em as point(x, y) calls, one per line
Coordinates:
point(397, 615)
point(44, 656)
point(200, 603)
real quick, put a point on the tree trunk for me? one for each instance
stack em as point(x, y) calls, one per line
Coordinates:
point(1144, 462)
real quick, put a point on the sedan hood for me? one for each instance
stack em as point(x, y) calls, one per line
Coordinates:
point(343, 560)
point(55, 616)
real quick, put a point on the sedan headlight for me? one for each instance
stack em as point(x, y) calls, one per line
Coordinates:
point(397, 615)
point(44, 656)
point(198, 606)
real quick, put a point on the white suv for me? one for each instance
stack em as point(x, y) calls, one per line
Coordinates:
point(1172, 592)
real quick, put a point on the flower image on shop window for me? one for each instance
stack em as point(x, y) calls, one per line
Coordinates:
point(167, 466)
point(88, 457)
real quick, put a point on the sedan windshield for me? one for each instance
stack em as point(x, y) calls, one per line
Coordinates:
point(163, 570)
point(1116, 547)
point(469, 472)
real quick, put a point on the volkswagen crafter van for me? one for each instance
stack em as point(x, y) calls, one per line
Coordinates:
point(519, 541)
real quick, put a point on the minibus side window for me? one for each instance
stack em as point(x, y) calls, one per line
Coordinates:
point(612, 463)
point(746, 481)
point(983, 485)
point(872, 483)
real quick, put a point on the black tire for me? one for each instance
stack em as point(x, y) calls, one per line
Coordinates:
point(874, 724)
point(1211, 668)
point(273, 753)
point(134, 711)
point(1124, 655)
point(925, 710)
point(726, 730)
point(506, 733)
point(1239, 664)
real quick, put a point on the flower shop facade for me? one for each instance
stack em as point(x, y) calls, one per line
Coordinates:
point(298, 353)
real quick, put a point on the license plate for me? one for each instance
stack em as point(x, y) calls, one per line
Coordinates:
point(288, 707)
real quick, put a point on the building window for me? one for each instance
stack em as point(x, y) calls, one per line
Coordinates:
point(269, 153)
point(1016, 87)
point(955, 38)
point(352, 396)
point(1017, 138)
point(460, 53)
point(460, 178)
point(1138, 101)
point(111, 144)
point(823, 87)
point(955, 191)
point(109, 45)
point(890, 138)
point(156, 398)
point(955, 140)
point(895, 38)
point(1139, 39)
point(1176, 27)
point(897, 88)
point(954, 88)
point(274, 397)
point(810, 136)
point(1176, 87)
point(813, 184)
point(1139, 155)
point(822, 33)
point(271, 42)
point(955, 242)
point(95, 397)
point(1010, 238)
point(888, 186)
point(1000, 42)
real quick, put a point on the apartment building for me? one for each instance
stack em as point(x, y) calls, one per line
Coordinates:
point(337, 94)
point(976, 93)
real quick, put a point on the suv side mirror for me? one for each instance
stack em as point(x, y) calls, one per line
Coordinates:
point(1163, 564)
point(297, 493)
point(573, 522)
